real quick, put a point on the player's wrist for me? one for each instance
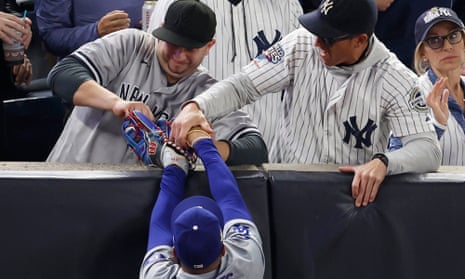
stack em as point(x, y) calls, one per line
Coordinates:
point(195, 134)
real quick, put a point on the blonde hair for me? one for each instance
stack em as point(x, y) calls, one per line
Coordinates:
point(421, 65)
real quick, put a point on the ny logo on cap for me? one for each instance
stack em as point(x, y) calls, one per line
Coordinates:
point(326, 6)
point(436, 12)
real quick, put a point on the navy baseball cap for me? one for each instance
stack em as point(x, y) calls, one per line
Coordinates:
point(197, 226)
point(336, 18)
point(432, 16)
point(188, 23)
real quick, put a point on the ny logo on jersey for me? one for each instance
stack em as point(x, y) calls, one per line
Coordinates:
point(262, 42)
point(361, 136)
point(326, 6)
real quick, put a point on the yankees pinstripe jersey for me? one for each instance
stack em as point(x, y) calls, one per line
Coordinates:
point(243, 258)
point(125, 63)
point(242, 33)
point(452, 140)
point(340, 115)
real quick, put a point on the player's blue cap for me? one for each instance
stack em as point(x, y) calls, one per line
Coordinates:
point(337, 18)
point(197, 226)
point(432, 16)
point(188, 23)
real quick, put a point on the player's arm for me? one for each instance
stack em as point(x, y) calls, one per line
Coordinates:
point(171, 193)
point(74, 83)
point(56, 27)
point(223, 185)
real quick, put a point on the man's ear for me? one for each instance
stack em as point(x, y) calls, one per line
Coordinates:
point(361, 39)
point(209, 45)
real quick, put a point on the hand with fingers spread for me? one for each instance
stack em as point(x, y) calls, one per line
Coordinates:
point(367, 180)
point(190, 116)
point(113, 21)
point(437, 101)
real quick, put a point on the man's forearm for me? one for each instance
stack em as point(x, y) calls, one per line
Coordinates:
point(227, 96)
point(420, 153)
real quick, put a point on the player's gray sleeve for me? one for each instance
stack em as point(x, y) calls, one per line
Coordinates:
point(420, 153)
point(66, 77)
point(227, 95)
point(248, 149)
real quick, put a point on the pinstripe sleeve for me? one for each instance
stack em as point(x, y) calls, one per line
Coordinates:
point(271, 72)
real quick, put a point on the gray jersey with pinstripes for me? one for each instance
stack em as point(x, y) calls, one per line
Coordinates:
point(125, 63)
point(243, 32)
point(244, 256)
point(340, 115)
point(453, 140)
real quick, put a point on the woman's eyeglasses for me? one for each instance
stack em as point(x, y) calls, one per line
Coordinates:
point(437, 42)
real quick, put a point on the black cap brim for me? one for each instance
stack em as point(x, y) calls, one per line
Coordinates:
point(314, 23)
point(169, 36)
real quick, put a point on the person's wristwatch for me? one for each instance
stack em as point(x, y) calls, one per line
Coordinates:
point(381, 157)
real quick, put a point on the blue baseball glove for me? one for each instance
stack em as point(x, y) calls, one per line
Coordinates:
point(150, 142)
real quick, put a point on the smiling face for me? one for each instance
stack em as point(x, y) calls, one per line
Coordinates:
point(450, 56)
point(178, 62)
point(345, 51)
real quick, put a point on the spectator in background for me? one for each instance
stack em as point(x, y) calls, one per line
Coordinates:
point(65, 25)
point(438, 58)
point(396, 24)
point(12, 75)
point(244, 30)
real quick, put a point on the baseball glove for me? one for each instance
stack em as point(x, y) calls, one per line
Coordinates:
point(150, 142)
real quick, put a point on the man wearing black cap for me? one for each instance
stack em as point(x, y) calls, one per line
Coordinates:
point(131, 69)
point(199, 237)
point(345, 94)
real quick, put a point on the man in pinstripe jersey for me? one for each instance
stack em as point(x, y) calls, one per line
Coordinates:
point(345, 93)
point(246, 28)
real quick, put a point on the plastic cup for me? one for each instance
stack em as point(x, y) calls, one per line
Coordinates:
point(14, 54)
